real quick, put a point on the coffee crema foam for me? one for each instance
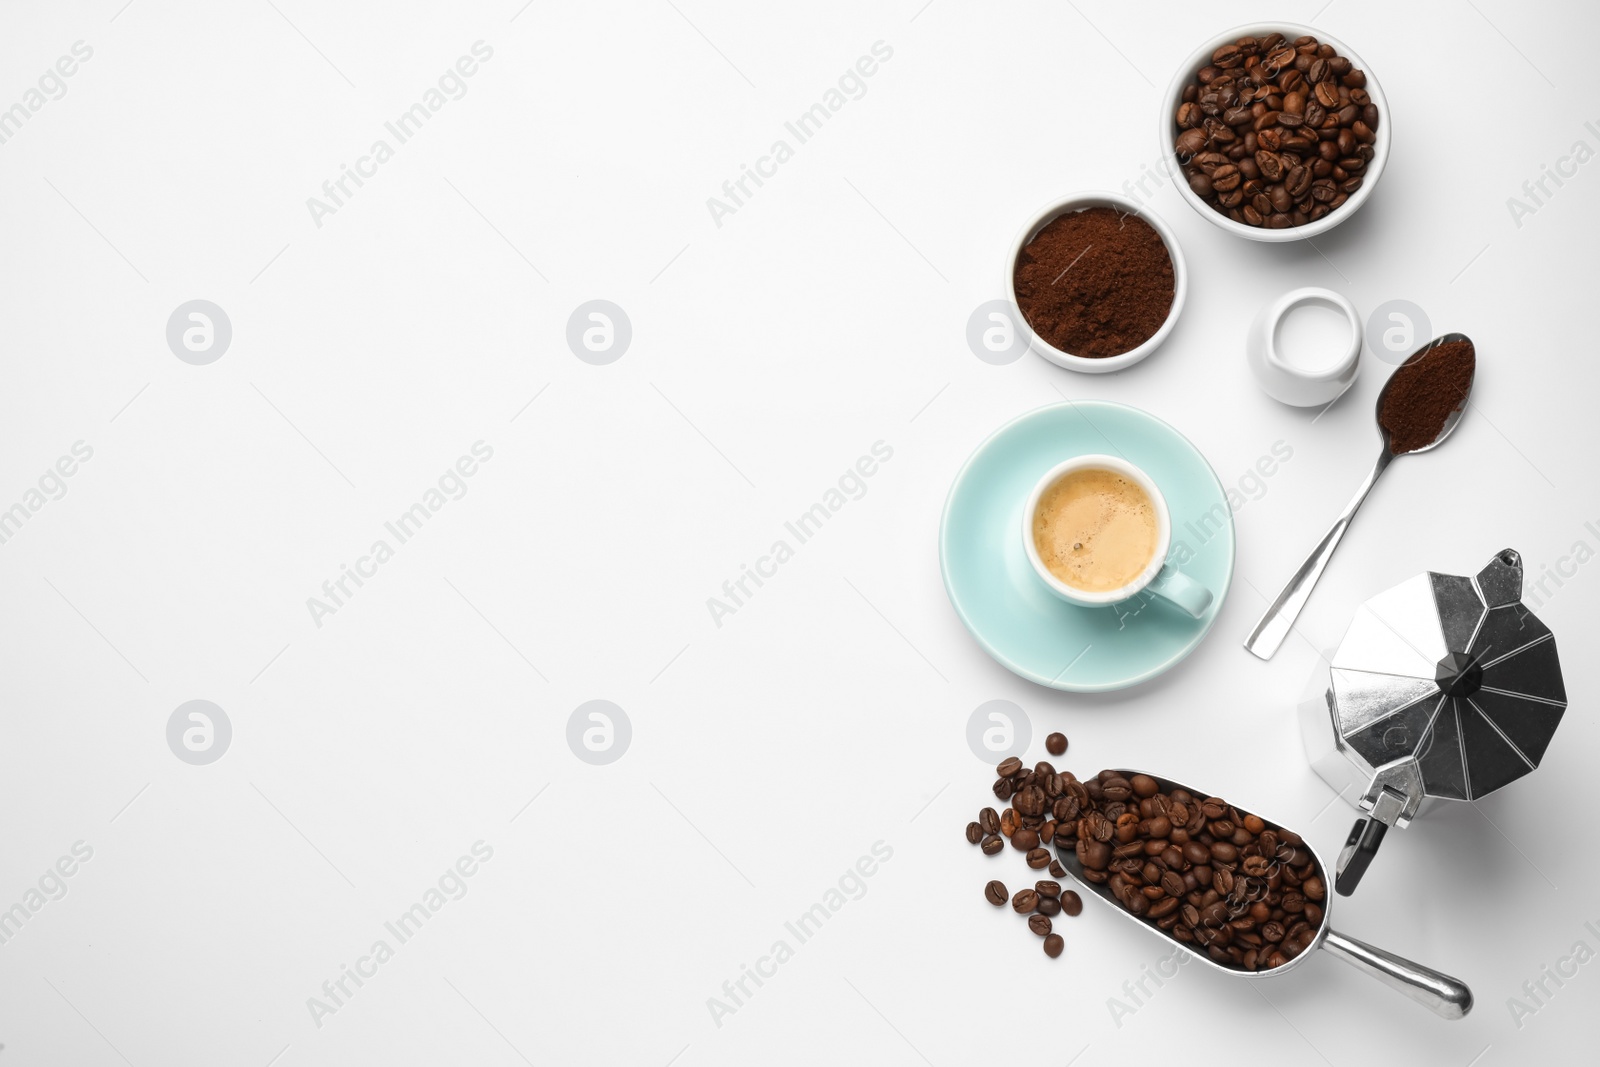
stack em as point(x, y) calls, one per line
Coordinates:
point(1095, 529)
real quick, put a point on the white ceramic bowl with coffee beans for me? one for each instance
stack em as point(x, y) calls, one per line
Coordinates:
point(1257, 168)
point(1124, 206)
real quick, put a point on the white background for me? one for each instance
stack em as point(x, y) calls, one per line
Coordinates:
point(770, 753)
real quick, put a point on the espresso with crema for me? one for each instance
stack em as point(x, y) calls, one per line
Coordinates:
point(1096, 529)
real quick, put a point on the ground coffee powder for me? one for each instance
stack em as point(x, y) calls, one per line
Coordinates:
point(1095, 283)
point(1422, 395)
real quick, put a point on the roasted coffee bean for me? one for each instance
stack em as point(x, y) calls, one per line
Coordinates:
point(1281, 60)
point(1224, 179)
point(974, 833)
point(1039, 859)
point(1163, 908)
point(1190, 142)
point(1009, 821)
point(993, 845)
point(1009, 767)
point(1047, 888)
point(989, 820)
point(1003, 789)
point(1229, 55)
point(1039, 924)
point(1055, 744)
point(1267, 112)
point(1057, 870)
point(1053, 945)
point(1024, 901)
point(995, 893)
point(1049, 905)
point(1095, 855)
point(1030, 801)
point(1024, 839)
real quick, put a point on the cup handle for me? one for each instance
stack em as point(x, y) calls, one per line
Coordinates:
point(1172, 584)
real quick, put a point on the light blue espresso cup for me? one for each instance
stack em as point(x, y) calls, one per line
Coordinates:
point(1159, 578)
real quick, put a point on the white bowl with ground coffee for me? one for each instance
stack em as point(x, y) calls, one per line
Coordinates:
point(1099, 282)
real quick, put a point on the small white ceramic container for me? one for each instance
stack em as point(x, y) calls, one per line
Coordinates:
point(1167, 129)
point(1079, 202)
point(1157, 578)
point(1278, 374)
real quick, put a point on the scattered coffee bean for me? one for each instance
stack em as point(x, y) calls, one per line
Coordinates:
point(974, 833)
point(1071, 903)
point(1049, 905)
point(1053, 945)
point(1008, 767)
point(1039, 859)
point(989, 820)
point(1055, 744)
point(1047, 889)
point(1024, 901)
point(1056, 870)
point(1261, 126)
point(993, 844)
point(1024, 840)
point(995, 893)
point(1039, 924)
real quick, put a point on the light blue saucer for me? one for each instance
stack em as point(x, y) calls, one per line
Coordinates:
point(1008, 609)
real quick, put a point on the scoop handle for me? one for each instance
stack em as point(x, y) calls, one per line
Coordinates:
point(1278, 620)
point(1446, 997)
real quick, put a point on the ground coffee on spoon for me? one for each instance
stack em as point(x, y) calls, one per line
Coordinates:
point(1422, 395)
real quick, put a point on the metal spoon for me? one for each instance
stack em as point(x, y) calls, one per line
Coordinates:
point(1441, 994)
point(1279, 619)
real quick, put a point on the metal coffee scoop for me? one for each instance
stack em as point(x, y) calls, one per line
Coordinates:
point(1441, 994)
point(1279, 619)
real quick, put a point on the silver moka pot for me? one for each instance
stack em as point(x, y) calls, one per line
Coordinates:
point(1443, 687)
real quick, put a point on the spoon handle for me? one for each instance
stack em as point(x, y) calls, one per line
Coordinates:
point(1446, 997)
point(1279, 619)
